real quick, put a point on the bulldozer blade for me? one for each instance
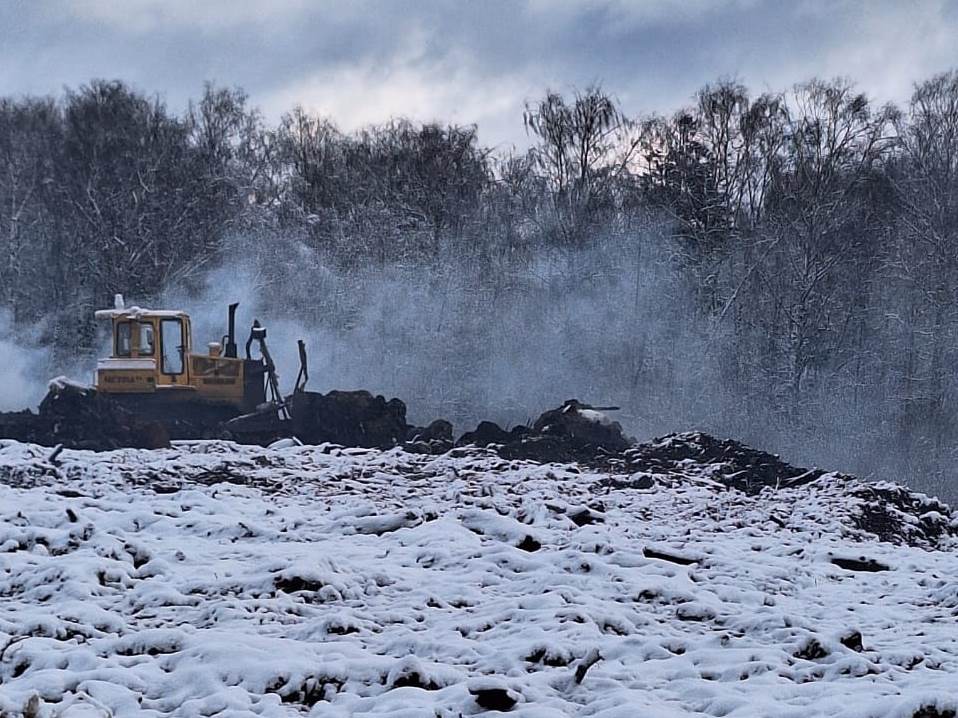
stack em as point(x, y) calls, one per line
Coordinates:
point(261, 427)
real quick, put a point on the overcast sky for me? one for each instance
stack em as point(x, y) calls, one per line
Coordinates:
point(468, 62)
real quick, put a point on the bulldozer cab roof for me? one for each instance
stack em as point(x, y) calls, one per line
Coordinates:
point(139, 313)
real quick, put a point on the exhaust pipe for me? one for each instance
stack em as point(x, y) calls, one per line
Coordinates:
point(231, 337)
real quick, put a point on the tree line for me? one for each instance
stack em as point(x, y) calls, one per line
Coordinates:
point(802, 244)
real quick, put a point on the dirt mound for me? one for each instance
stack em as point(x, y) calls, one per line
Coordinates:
point(731, 463)
point(433, 439)
point(572, 432)
point(488, 432)
point(22, 426)
point(584, 427)
point(350, 418)
point(897, 515)
point(78, 418)
point(886, 511)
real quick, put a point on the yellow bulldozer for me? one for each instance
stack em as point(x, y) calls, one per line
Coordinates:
point(154, 369)
point(155, 386)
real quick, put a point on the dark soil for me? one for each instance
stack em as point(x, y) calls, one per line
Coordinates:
point(897, 515)
point(78, 418)
point(737, 466)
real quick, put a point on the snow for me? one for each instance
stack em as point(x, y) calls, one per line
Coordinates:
point(138, 313)
point(596, 417)
point(62, 382)
point(216, 579)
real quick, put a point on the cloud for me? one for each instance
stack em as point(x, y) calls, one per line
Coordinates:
point(143, 16)
point(628, 15)
point(896, 47)
point(362, 62)
point(446, 90)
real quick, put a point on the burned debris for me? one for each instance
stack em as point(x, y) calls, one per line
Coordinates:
point(82, 418)
point(736, 465)
point(572, 432)
point(77, 417)
point(350, 418)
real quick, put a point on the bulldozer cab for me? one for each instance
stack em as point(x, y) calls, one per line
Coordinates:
point(150, 350)
point(152, 354)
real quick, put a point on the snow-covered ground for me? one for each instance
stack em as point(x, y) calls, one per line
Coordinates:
point(220, 580)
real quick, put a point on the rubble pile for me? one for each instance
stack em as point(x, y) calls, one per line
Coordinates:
point(897, 515)
point(731, 463)
point(349, 418)
point(572, 432)
point(76, 417)
point(433, 439)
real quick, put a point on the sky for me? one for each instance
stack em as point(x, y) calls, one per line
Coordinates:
point(465, 62)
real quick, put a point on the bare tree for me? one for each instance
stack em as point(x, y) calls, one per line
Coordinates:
point(30, 137)
point(575, 151)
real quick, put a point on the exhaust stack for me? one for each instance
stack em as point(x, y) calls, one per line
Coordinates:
point(231, 336)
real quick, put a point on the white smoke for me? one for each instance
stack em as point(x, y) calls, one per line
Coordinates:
point(465, 342)
point(24, 363)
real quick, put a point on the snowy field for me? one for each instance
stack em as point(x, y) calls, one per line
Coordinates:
point(217, 580)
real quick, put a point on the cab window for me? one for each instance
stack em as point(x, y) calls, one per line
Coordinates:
point(171, 343)
point(123, 339)
point(147, 343)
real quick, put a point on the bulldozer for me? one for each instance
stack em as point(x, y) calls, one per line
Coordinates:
point(155, 387)
point(154, 370)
